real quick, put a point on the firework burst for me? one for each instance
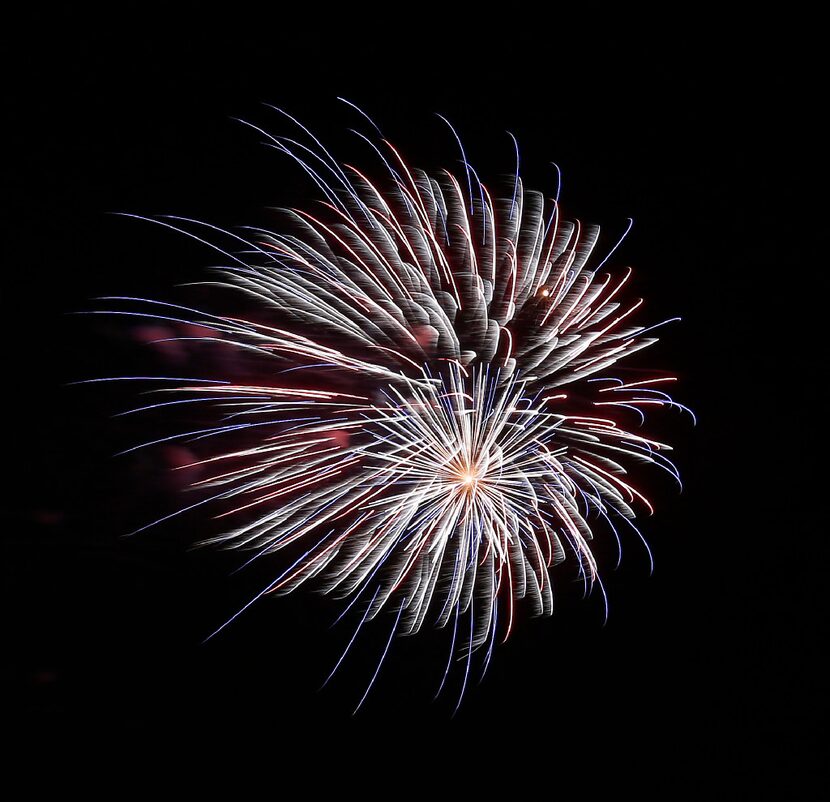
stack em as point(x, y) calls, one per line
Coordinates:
point(435, 426)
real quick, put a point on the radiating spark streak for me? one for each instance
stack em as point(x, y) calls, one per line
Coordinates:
point(187, 401)
point(200, 433)
point(259, 595)
point(617, 245)
point(184, 231)
point(622, 386)
point(382, 657)
point(463, 159)
point(467, 665)
point(491, 644)
point(609, 297)
point(604, 599)
point(363, 113)
point(658, 325)
point(644, 542)
point(150, 379)
point(618, 481)
point(626, 406)
point(449, 657)
point(516, 180)
point(239, 612)
point(352, 639)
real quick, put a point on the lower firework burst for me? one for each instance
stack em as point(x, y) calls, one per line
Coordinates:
point(456, 431)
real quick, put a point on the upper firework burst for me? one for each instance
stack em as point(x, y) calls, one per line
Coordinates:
point(433, 425)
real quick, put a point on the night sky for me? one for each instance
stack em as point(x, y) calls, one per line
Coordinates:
point(707, 661)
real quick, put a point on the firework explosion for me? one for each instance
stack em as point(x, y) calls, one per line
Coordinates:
point(438, 427)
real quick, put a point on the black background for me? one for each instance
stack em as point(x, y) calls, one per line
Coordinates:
point(708, 661)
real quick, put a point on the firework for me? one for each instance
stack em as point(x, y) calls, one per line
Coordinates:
point(435, 425)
